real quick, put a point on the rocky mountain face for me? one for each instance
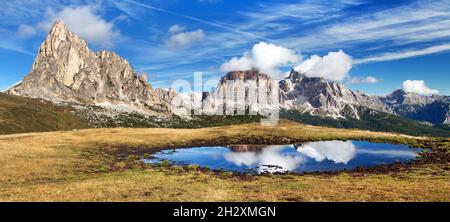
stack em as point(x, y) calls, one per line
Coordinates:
point(240, 91)
point(434, 109)
point(315, 96)
point(320, 97)
point(66, 70)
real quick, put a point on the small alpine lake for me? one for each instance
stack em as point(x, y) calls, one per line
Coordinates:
point(323, 156)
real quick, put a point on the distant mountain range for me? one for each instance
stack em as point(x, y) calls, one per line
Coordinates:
point(67, 72)
point(317, 96)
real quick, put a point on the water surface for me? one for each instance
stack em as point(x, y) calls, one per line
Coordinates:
point(306, 157)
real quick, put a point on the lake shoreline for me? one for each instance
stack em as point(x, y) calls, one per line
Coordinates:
point(104, 165)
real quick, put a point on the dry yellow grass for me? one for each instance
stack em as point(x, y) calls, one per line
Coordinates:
point(73, 166)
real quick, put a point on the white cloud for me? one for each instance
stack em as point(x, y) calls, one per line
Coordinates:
point(265, 57)
point(367, 79)
point(185, 39)
point(334, 66)
point(14, 46)
point(26, 31)
point(330, 26)
point(404, 54)
point(321, 151)
point(243, 63)
point(176, 28)
point(418, 22)
point(419, 87)
point(85, 22)
point(271, 155)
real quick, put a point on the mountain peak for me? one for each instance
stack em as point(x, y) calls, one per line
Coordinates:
point(245, 75)
point(58, 24)
point(59, 41)
point(60, 30)
point(66, 70)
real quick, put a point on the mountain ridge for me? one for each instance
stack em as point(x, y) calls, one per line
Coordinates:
point(318, 96)
point(67, 71)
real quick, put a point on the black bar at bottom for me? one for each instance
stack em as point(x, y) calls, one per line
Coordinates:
point(223, 211)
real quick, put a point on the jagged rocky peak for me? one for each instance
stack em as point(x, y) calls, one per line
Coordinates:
point(434, 109)
point(396, 97)
point(247, 148)
point(66, 70)
point(312, 95)
point(400, 97)
point(57, 35)
point(232, 84)
point(245, 75)
point(296, 76)
point(317, 96)
point(166, 95)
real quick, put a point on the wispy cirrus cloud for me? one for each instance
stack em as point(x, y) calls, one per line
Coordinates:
point(26, 19)
point(369, 33)
point(389, 31)
point(419, 23)
point(404, 54)
point(12, 45)
point(183, 40)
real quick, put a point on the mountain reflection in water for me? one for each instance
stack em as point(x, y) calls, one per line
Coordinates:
point(306, 157)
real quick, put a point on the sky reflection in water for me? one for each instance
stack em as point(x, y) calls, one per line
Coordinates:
point(306, 157)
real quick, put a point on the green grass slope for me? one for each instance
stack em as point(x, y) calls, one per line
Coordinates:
point(20, 115)
point(371, 120)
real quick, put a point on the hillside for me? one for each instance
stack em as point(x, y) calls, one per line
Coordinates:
point(23, 115)
point(100, 165)
point(371, 120)
point(20, 115)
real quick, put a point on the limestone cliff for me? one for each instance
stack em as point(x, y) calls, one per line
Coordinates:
point(66, 70)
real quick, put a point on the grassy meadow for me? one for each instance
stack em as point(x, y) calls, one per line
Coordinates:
point(101, 165)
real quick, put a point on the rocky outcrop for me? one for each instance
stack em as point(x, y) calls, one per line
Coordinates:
point(309, 95)
point(240, 92)
point(66, 70)
point(247, 148)
point(434, 109)
point(318, 96)
point(165, 96)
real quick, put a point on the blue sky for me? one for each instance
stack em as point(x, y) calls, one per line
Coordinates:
point(388, 41)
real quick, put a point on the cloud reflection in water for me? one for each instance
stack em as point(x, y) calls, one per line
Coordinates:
point(306, 157)
point(336, 151)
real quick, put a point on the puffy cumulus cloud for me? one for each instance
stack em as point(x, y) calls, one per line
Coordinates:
point(185, 39)
point(336, 151)
point(419, 87)
point(238, 64)
point(271, 155)
point(85, 22)
point(26, 31)
point(265, 57)
point(176, 28)
point(367, 79)
point(334, 66)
